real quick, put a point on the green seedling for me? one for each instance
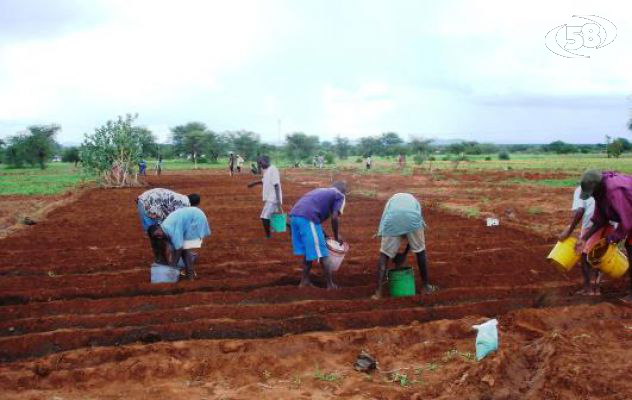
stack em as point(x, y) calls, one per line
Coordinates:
point(326, 377)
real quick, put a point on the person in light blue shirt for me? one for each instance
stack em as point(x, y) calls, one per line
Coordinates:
point(402, 218)
point(181, 232)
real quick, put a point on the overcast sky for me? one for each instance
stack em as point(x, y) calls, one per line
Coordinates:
point(442, 69)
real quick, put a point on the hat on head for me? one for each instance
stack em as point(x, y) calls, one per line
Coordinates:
point(590, 180)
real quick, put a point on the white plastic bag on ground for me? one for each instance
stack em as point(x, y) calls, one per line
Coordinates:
point(486, 338)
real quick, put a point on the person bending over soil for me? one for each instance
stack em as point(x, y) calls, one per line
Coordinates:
point(179, 234)
point(155, 205)
point(402, 218)
point(613, 202)
point(308, 238)
point(272, 196)
point(583, 211)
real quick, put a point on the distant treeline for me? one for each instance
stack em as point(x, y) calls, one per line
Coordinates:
point(196, 142)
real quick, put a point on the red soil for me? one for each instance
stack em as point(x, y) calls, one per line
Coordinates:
point(75, 298)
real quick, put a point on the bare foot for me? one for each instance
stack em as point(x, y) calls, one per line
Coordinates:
point(596, 291)
point(586, 291)
point(376, 296)
point(332, 286)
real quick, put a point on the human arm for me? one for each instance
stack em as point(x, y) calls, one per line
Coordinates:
point(255, 183)
point(277, 193)
point(577, 217)
point(400, 258)
point(334, 225)
point(623, 208)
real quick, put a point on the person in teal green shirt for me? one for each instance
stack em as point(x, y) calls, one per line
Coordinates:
point(402, 218)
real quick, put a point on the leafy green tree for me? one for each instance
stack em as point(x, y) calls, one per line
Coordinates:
point(391, 144)
point(71, 155)
point(194, 139)
point(246, 144)
point(112, 152)
point(35, 147)
point(370, 145)
point(342, 147)
point(148, 141)
point(300, 146)
point(560, 147)
point(420, 146)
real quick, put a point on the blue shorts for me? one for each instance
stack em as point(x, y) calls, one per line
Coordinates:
point(308, 239)
point(145, 221)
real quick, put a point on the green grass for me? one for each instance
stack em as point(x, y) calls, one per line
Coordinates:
point(558, 183)
point(55, 179)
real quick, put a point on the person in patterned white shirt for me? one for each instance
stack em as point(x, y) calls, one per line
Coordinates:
point(155, 205)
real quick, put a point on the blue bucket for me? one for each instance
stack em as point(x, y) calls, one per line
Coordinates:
point(164, 274)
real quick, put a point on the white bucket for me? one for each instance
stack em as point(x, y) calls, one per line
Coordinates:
point(164, 274)
point(336, 253)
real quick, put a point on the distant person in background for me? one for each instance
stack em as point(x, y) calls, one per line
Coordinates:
point(231, 163)
point(613, 202)
point(272, 195)
point(142, 168)
point(179, 234)
point(159, 165)
point(402, 218)
point(368, 162)
point(314, 161)
point(583, 211)
point(308, 238)
point(402, 161)
point(321, 161)
point(240, 163)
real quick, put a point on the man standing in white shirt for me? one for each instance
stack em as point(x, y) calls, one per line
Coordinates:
point(583, 211)
point(272, 195)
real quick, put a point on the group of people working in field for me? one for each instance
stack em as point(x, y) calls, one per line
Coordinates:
point(176, 226)
point(603, 204)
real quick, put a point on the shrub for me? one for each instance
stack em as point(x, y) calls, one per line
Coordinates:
point(202, 160)
point(503, 155)
point(447, 157)
point(329, 158)
point(419, 159)
point(432, 158)
point(488, 158)
point(359, 160)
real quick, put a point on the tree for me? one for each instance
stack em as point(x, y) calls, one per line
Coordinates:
point(147, 140)
point(71, 154)
point(112, 152)
point(35, 146)
point(194, 139)
point(391, 144)
point(421, 146)
point(300, 146)
point(246, 144)
point(342, 147)
point(370, 145)
point(560, 147)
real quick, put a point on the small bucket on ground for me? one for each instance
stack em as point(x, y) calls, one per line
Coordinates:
point(336, 253)
point(164, 273)
point(609, 259)
point(563, 255)
point(401, 282)
point(278, 222)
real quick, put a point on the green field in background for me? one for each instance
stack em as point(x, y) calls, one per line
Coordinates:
point(60, 177)
point(56, 178)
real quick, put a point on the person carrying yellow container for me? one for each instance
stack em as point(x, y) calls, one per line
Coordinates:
point(582, 212)
point(613, 202)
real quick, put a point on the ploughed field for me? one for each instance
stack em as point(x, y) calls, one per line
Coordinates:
point(77, 311)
